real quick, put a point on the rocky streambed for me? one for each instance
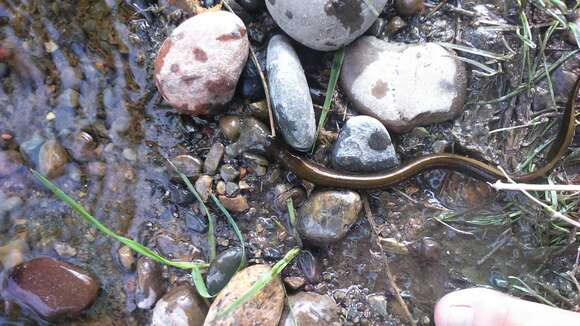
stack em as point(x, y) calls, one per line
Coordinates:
point(97, 95)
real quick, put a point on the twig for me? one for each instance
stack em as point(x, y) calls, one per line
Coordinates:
point(501, 240)
point(499, 185)
point(392, 283)
point(553, 212)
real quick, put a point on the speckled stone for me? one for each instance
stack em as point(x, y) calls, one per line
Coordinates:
point(403, 85)
point(181, 306)
point(311, 309)
point(264, 308)
point(328, 215)
point(364, 145)
point(51, 288)
point(290, 94)
point(199, 64)
point(324, 25)
point(52, 159)
point(149, 283)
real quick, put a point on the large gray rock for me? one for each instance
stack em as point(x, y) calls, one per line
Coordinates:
point(328, 215)
point(324, 25)
point(364, 145)
point(308, 308)
point(199, 64)
point(403, 85)
point(290, 94)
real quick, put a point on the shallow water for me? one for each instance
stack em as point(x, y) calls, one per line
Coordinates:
point(85, 66)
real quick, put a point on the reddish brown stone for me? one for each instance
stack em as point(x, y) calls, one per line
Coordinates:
point(51, 288)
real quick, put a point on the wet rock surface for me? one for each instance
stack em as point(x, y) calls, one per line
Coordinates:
point(290, 94)
point(10, 161)
point(198, 66)
point(327, 215)
point(51, 288)
point(149, 283)
point(52, 159)
point(264, 308)
point(307, 308)
point(364, 145)
point(222, 269)
point(324, 25)
point(403, 85)
point(181, 306)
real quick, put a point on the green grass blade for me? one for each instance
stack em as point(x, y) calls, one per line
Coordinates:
point(135, 246)
point(210, 219)
point(292, 215)
point(261, 283)
point(576, 31)
point(234, 225)
point(199, 283)
point(334, 74)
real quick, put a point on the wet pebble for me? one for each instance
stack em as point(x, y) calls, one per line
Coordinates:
point(250, 85)
point(181, 195)
point(252, 5)
point(409, 7)
point(264, 308)
point(130, 154)
point(327, 215)
point(52, 159)
point(179, 307)
point(236, 204)
point(231, 188)
point(222, 269)
point(306, 308)
point(575, 21)
point(199, 64)
point(10, 161)
point(203, 186)
point(81, 146)
point(308, 265)
point(50, 287)
point(430, 249)
point(253, 137)
point(378, 304)
point(126, 257)
point(230, 127)
point(324, 25)
point(364, 145)
point(294, 282)
point(403, 85)
point(186, 164)
point(193, 221)
point(229, 173)
point(149, 283)
point(213, 158)
point(290, 94)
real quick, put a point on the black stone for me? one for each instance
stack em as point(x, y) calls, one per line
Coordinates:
point(222, 269)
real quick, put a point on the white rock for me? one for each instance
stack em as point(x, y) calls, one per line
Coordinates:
point(403, 85)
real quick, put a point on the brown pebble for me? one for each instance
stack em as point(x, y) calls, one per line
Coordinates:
point(51, 288)
point(236, 204)
point(10, 161)
point(230, 127)
point(409, 7)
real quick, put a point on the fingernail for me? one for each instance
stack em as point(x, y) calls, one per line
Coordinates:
point(460, 316)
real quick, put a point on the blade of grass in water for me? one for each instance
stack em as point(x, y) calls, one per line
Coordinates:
point(234, 225)
point(261, 283)
point(135, 246)
point(292, 215)
point(210, 218)
point(199, 283)
point(334, 73)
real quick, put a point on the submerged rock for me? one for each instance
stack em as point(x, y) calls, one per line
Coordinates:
point(51, 288)
point(186, 164)
point(403, 85)
point(324, 25)
point(213, 158)
point(253, 138)
point(149, 283)
point(199, 64)
point(230, 127)
point(52, 159)
point(179, 307)
point(264, 308)
point(222, 269)
point(307, 309)
point(364, 145)
point(290, 94)
point(409, 7)
point(327, 215)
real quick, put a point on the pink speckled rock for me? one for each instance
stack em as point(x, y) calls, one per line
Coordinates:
point(199, 64)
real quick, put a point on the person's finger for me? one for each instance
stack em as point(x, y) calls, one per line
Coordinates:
point(483, 307)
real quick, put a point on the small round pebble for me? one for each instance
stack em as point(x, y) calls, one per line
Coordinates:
point(409, 7)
